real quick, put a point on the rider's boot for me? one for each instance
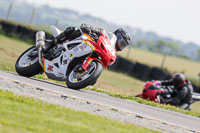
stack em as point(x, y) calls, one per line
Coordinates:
point(67, 34)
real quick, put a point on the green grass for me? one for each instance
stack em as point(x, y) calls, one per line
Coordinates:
point(173, 64)
point(24, 115)
point(119, 83)
point(10, 50)
point(109, 81)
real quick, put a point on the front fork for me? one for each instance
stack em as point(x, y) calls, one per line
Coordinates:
point(86, 63)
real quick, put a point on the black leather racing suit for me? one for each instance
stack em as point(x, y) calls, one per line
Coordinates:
point(183, 97)
point(71, 33)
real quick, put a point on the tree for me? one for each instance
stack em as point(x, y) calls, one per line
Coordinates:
point(161, 44)
point(174, 48)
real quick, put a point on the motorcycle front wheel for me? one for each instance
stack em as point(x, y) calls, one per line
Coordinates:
point(28, 66)
point(77, 80)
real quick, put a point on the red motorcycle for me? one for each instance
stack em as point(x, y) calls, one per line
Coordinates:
point(153, 91)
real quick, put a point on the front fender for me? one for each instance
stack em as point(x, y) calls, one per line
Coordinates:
point(100, 62)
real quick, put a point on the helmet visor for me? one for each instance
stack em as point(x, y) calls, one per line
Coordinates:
point(121, 43)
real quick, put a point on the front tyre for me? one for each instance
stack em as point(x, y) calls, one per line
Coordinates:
point(81, 80)
point(28, 66)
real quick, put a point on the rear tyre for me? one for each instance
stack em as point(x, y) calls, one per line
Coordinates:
point(78, 81)
point(26, 66)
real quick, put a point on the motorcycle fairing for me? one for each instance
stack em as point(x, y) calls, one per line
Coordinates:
point(57, 68)
point(105, 47)
point(148, 93)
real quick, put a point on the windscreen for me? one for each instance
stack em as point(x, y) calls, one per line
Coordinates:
point(112, 37)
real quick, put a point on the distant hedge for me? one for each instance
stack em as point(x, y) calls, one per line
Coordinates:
point(134, 69)
point(142, 72)
point(23, 32)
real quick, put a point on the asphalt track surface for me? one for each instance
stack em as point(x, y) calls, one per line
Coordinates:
point(141, 110)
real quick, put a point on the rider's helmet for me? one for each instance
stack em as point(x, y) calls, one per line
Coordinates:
point(179, 79)
point(123, 39)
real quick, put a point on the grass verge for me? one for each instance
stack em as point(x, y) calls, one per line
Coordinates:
point(24, 115)
point(151, 103)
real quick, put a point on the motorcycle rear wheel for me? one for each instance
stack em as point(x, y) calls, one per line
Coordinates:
point(26, 66)
point(92, 74)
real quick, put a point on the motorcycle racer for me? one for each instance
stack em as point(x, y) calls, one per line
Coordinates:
point(183, 89)
point(123, 38)
point(122, 41)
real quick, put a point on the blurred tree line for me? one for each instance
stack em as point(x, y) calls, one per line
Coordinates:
point(162, 46)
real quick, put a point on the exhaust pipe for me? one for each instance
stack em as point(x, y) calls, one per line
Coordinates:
point(40, 41)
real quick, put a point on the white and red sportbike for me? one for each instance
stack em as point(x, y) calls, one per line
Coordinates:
point(64, 60)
